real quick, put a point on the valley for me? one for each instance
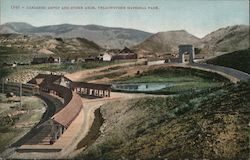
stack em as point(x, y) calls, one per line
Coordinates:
point(21, 42)
point(117, 93)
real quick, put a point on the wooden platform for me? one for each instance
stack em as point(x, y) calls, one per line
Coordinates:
point(40, 142)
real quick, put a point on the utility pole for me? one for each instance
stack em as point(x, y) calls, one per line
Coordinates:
point(3, 86)
point(20, 95)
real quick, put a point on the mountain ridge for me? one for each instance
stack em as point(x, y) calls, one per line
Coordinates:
point(106, 37)
point(19, 43)
point(225, 39)
point(166, 42)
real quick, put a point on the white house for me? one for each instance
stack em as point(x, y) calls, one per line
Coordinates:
point(105, 57)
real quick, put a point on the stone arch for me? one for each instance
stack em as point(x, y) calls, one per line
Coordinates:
point(186, 49)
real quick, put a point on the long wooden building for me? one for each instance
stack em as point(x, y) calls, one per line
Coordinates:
point(69, 92)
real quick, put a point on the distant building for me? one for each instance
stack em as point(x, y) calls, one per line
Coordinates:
point(126, 53)
point(7, 65)
point(90, 59)
point(126, 50)
point(39, 60)
point(42, 60)
point(186, 49)
point(72, 61)
point(54, 59)
point(80, 60)
point(105, 57)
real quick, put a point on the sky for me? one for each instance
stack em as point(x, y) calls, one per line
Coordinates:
point(198, 17)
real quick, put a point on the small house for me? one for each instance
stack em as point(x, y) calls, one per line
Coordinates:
point(124, 54)
point(39, 60)
point(105, 57)
point(7, 65)
point(80, 60)
point(90, 59)
point(54, 60)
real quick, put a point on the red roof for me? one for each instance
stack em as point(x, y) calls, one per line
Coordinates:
point(44, 79)
point(69, 112)
point(72, 101)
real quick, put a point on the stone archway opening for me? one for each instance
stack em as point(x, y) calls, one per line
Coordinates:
point(186, 49)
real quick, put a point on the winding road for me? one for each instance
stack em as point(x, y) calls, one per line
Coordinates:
point(90, 105)
point(233, 73)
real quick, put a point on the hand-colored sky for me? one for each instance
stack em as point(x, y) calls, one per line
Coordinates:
point(198, 17)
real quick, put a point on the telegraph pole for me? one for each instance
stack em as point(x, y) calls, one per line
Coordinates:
point(20, 95)
point(3, 86)
point(20, 82)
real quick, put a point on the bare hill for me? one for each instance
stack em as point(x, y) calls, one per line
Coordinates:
point(208, 125)
point(106, 37)
point(166, 42)
point(15, 27)
point(18, 43)
point(228, 39)
point(239, 60)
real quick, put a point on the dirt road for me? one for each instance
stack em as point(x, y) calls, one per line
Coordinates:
point(90, 105)
point(77, 76)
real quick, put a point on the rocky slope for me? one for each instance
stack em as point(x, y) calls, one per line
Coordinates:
point(228, 39)
point(211, 125)
point(166, 42)
point(239, 60)
point(18, 43)
point(106, 37)
point(15, 27)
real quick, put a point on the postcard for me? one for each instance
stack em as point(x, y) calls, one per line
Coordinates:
point(124, 79)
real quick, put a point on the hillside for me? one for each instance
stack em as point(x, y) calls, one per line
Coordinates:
point(239, 60)
point(228, 39)
point(210, 125)
point(166, 42)
point(18, 43)
point(15, 27)
point(15, 123)
point(106, 37)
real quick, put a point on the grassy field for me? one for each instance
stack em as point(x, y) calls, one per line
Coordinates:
point(15, 122)
point(107, 75)
point(25, 73)
point(64, 68)
point(211, 125)
point(72, 67)
point(5, 72)
point(10, 50)
point(184, 80)
point(238, 60)
point(15, 57)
